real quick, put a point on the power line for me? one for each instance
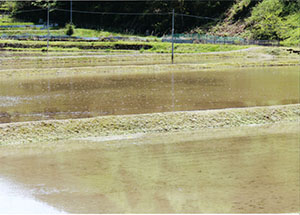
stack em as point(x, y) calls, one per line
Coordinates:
point(111, 13)
point(118, 13)
point(197, 17)
point(136, 14)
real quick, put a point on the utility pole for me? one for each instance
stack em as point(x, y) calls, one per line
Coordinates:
point(48, 36)
point(173, 21)
point(71, 21)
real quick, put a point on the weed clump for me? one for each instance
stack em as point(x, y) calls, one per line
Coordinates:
point(70, 29)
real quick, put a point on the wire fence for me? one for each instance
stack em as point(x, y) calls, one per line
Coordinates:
point(211, 39)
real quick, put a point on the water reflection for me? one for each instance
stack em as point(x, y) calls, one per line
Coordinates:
point(245, 170)
point(13, 200)
point(93, 95)
point(173, 92)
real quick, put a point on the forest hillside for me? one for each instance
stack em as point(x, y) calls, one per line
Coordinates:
point(251, 19)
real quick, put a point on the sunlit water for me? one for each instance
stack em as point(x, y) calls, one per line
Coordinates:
point(15, 200)
point(241, 170)
point(94, 95)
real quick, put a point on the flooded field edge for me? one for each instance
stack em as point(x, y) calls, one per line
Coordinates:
point(53, 130)
point(113, 70)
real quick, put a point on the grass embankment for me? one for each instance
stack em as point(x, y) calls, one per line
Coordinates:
point(52, 130)
point(149, 47)
point(6, 20)
point(79, 32)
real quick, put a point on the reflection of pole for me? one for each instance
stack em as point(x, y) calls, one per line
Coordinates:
point(48, 26)
point(47, 109)
point(173, 14)
point(49, 86)
point(71, 21)
point(173, 93)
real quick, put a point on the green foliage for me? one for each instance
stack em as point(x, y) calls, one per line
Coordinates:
point(238, 8)
point(276, 19)
point(290, 33)
point(70, 29)
point(265, 19)
point(6, 20)
point(5, 6)
point(290, 7)
point(44, 4)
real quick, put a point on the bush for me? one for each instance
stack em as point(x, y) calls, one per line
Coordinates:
point(266, 20)
point(70, 29)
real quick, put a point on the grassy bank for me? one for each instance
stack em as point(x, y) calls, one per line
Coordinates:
point(42, 131)
point(148, 47)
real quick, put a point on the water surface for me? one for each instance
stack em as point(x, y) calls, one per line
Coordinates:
point(241, 170)
point(15, 200)
point(87, 95)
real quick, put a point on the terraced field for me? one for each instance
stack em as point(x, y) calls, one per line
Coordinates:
point(117, 132)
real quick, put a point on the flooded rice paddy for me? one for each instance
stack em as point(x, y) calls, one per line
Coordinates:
point(240, 170)
point(252, 169)
point(86, 95)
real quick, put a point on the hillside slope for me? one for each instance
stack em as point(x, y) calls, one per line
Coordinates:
point(264, 20)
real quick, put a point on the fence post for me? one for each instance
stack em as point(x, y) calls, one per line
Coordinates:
point(71, 18)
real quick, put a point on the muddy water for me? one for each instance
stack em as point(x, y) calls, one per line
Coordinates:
point(244, 170)
point(93, 95)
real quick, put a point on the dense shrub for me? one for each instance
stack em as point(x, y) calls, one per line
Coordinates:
point(70, 29)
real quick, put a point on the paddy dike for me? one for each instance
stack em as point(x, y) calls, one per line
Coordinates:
point(52, 130)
